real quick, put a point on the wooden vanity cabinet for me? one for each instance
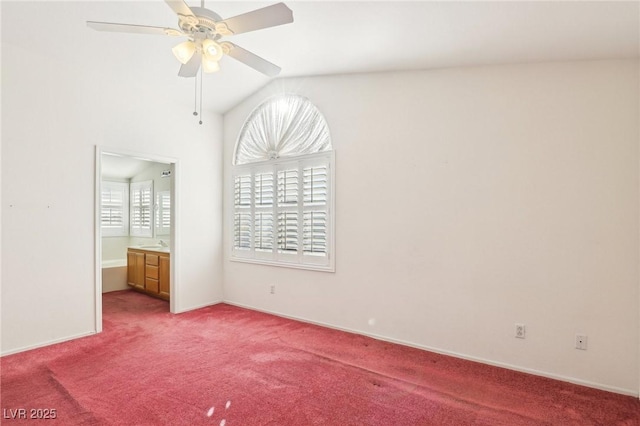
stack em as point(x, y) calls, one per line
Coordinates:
point(148, 272)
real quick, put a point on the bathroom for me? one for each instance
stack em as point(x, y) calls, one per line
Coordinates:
point(135, 212)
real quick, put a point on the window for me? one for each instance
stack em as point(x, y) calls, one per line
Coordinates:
point(283, 186)
point(141, 206)
point(282, 212)
point(114, 215)
point(163, 213)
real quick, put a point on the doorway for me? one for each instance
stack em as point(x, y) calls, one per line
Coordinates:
point(136, 200)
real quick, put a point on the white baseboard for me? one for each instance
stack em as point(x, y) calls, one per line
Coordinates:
point(204, 305)
point(47, 343)
point(563, 378)
point(630, 392)
point(78, 336)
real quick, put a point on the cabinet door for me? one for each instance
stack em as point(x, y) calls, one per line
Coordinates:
point(151, 285)
point(139, 271)
point(135, 269)
point(131, 268)
point(164, 276)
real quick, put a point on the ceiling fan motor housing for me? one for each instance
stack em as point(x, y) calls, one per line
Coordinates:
point(204, 21)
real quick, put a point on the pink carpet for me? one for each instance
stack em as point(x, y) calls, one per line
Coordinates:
point(224, 365)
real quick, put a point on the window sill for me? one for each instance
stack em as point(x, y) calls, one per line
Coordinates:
point(318, 268)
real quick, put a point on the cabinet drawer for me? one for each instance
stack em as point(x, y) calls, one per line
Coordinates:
point(152, 259)
point(151, 285)
point(151, 272)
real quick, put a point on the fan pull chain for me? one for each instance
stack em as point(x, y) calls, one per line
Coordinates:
point(201, 72)
point(195, 97)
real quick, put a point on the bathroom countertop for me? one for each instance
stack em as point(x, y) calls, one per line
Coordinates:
point(157, 248)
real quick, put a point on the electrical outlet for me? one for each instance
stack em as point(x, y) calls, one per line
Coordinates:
point(581, 342)
point(520, 331)
point(273, 289)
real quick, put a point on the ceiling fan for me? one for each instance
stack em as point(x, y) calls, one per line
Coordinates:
point(204, 30)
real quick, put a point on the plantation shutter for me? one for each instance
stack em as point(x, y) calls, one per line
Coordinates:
point(163, 213)
point(242, 213)
point(114, 210)
point(288, 232)
point(282, 212)
point(141, 206)
point(315, 195)
point(263, 224)
point(242, 234)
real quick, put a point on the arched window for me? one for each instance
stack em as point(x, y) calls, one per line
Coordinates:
point(283, 186)
point(283, 126)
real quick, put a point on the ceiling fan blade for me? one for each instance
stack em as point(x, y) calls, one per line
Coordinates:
point(180, 7)
point(269, 16)
point(190, 69)
point(129, 28)
point(252, 60)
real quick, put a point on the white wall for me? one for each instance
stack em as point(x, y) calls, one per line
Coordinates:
point(469, 200)
point(60, 98)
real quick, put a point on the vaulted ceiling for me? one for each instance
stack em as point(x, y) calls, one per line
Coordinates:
point(329, 38)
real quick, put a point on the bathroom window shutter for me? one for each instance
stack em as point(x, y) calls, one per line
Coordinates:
point(163, 213)
point(141, 206)
point(114, 209)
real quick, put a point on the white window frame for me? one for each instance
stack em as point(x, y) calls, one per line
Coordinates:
point(274, 257)
point(123, 229)
point(134, 229)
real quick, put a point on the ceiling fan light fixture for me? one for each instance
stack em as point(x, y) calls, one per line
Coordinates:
point(209, 66)
point(184, 51)
point(211, 50)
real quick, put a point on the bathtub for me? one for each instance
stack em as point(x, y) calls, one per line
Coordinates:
point(114, 275)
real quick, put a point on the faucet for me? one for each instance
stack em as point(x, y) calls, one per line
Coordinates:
point(163, 244)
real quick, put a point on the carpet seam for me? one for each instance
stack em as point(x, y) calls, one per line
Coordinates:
point(472, 405)
point(67, 394)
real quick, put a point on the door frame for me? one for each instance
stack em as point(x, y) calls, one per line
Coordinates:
point(174, 284)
